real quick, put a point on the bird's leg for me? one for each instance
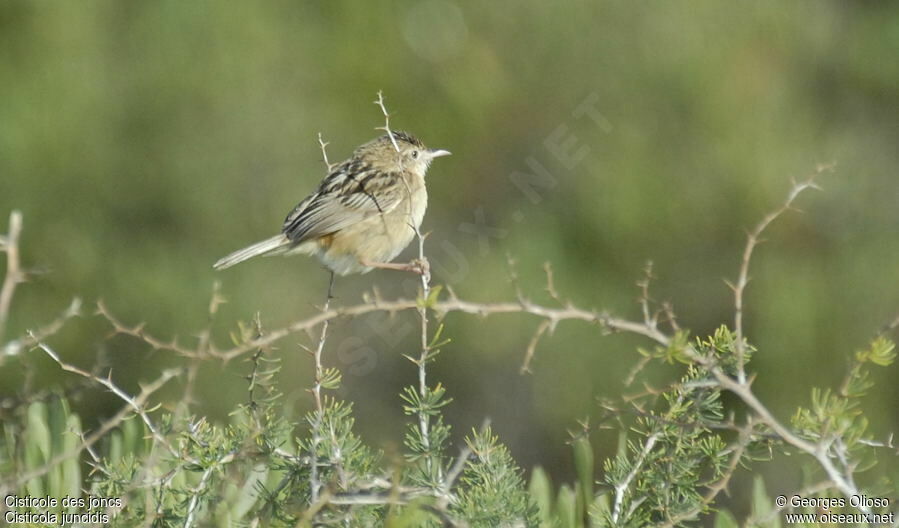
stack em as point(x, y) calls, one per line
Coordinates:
point(330, 287)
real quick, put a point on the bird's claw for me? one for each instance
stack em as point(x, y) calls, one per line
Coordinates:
point(421, 266)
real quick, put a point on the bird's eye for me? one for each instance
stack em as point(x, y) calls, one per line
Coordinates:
point(414, 154)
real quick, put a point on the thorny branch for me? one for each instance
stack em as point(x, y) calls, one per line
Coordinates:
point(136, 406)
point(830, 455)
point(314, 482)
point(752, 240)
point(380, 102)
point(132, 403)
point(15, 275)
point(544, 325)
point(424, 356)
point(373, 303)
point(324, 146)
point(30, 339)
point(823, 452)
point(137, 331)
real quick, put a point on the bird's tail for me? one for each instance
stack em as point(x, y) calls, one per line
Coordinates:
point(268, 246)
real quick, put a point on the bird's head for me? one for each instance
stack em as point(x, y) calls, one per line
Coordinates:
point(403, 152)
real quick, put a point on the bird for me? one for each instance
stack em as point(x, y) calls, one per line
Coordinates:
point(362, 215)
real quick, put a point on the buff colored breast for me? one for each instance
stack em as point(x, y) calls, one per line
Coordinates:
point(380, 238)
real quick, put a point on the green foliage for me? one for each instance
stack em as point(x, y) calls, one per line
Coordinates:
point(676, 449)
point(882, 353)
point(679, 447)
point(837, 416)
point(678, 454)
point(583, 465)
point(573, 506)
point(187, 470)
point(763, 514)
point(46, 433)
point(541, 490)
point(725, 519)
point(492, 492)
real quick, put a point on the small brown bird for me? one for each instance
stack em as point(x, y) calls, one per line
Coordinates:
point(362, 215)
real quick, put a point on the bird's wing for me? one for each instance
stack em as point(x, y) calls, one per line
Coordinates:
point(347, 196)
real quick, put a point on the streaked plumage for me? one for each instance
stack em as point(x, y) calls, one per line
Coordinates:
point(362, 214)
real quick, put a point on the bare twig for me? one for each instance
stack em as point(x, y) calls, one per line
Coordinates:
point(204, 338)
point(544, 325)
point(375, 304)
point(324, 147)
point(424, 356)
point(14, 273)
point(636, 369)
point(380, 102)
point(136, 406)
point(138, 332)
point(551, 283)
point(453, 304)
point(30, 339)
point(670, 316)
point(650, 319)
point(753, 239)
point(317, 353)
point(314, 481)
point(138, 401)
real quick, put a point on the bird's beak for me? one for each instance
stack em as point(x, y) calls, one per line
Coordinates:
point(436, 153)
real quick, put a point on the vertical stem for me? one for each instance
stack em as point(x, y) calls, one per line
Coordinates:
point(423, 418)
point(752, 240)
point(319, 371)
point(14, 274)
point(314, 482)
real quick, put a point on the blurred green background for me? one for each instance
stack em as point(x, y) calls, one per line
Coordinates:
point(144, 140)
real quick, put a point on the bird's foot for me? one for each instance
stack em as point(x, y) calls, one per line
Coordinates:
point(418, 266)
point(422, 267)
